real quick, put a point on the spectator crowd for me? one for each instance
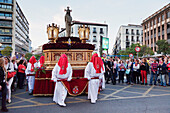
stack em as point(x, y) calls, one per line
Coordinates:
point(144, 71)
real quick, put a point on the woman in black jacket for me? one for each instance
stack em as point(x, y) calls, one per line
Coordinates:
point(144, 67)
point(3, 84)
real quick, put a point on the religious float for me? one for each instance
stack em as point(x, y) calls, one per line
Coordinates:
point(78, 52)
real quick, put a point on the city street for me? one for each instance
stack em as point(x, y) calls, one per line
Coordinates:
point(114, 99)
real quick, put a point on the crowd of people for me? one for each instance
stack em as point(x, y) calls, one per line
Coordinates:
point(144, 71)
point(16, 74)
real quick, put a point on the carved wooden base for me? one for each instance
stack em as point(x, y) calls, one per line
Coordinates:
point(78, 58)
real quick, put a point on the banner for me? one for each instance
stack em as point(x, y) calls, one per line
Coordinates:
point(76, 87)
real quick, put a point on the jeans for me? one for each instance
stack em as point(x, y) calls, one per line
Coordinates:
point(163, 80)
point(169, 77)
point(144, 75)
point(152, 75)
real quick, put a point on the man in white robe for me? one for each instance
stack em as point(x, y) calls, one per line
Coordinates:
point(62, 71)
point(30, 73)
point(93, 73)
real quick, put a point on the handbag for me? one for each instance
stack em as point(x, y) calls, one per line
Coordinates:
point(10, 75)
point(127, 71)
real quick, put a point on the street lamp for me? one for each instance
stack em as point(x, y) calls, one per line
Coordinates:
point(0, 44)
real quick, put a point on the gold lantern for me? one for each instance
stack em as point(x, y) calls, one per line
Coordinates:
point(52, 32)
point(84, 33)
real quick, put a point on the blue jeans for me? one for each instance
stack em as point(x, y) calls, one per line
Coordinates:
point(169, 77)
point(152, 75)
point(163, 80)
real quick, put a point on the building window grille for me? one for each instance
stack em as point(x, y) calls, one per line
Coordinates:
point(101, 31)
point(94, 39)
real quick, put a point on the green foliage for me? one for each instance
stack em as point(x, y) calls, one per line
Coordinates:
point(144, 50)
point(28, 55)
point(37, 57)
point(163, 46)
point(7, 51)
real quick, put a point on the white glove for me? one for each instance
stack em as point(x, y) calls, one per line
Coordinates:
point(68, 80)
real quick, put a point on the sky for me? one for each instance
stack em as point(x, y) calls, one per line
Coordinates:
point(115, 13)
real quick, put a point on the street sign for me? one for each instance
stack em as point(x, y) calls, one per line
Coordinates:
point(104, 55)
point(137, 49)
point(131, 55)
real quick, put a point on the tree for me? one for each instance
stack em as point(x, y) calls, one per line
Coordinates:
point(37, 56)
point(144, 50)
point(28, 55)
point(7, 51)
point(163, 46)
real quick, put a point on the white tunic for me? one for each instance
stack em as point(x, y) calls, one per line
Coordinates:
point(93, 85)
point(60, 91)
point(31, 79)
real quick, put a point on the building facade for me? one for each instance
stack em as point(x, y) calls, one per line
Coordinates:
point(97, 31)
point(157, 27)
point(126, 36)
point(14, 28)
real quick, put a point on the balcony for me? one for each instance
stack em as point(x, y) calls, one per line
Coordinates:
point(87, 40)
point(94, 32)
point(137, 33)
point(158, 33)
point(127, 40)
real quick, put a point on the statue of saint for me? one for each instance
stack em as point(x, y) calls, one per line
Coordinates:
point(68, 20)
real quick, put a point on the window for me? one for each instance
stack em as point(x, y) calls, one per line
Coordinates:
point(132, 39)
point(94, 39)
point(6, 1)
point(137, 32)
point(137, 38)
point(127, 31)
point(154, 22)
point(132, 32)
point(151, 23)
point(94, 30)
point(127, 38)
point(159, 19)
point(162, 17)
point(168, 14)
point(101, 31)
point(5, 39)
point(5, 31)
point(5, 23)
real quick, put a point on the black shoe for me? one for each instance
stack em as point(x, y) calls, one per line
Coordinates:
point(107, 82)
point(146, 84)
point(4, 110)
point(142, 83)
point(150, 84)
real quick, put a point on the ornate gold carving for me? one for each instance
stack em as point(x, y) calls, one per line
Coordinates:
point(57, 56)
point(69, 56)
point(79, 56)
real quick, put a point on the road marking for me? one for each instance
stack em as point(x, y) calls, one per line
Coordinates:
point(148, 90)
point(18, 102)
point(19, 93)
point(109, 95)
point(28, 100)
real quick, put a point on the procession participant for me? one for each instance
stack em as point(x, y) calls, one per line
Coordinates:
point(41, 61)
point(10, 71)
point(102, 80)
point(62, 71)
point(31, 74)
point(3, 85)
point(93, 72)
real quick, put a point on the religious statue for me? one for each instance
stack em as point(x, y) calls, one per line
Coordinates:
point(68, 20)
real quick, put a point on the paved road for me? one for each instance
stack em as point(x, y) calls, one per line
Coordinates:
point(114, 99)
